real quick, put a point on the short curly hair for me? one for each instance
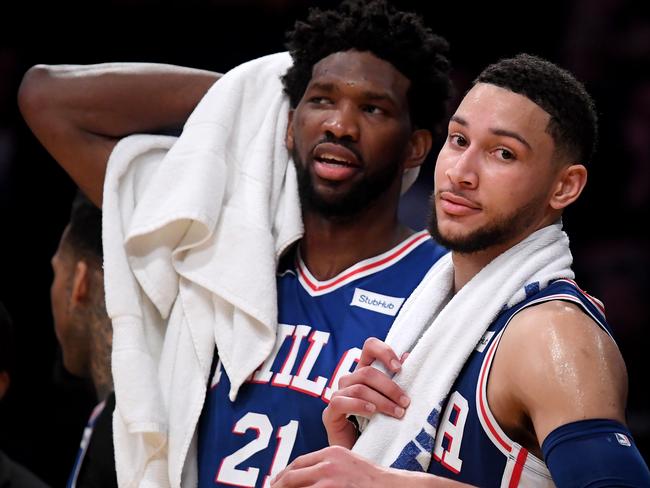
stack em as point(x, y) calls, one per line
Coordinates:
point(574, 123)
point(400, 38)
point(84, 236)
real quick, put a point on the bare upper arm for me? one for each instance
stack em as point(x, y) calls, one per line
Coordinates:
point(81, 153)
point(555, 365)
point(79, 112)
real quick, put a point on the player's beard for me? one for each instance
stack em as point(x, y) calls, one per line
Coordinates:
point(500, 230)
point(359, 196)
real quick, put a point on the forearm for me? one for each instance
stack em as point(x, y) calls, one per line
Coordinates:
point(341, 467)
point(411, 479)
point(79, 112)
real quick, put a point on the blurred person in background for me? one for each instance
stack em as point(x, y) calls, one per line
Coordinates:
point(84, 332)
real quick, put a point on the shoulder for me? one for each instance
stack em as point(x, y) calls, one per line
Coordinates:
point(554, 319)
point(557, 331)
point(561, 367)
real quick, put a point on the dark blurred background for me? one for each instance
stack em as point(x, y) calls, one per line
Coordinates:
point(606, 43)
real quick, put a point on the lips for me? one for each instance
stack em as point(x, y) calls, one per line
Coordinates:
point(335, 162)
point(457, 205)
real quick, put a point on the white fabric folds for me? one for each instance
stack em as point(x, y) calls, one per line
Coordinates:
point(192, 232)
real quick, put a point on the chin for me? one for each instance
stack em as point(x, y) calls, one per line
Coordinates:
point(452, 231)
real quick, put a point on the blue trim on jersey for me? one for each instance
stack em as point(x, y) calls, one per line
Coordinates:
point(277, 414)
point(594, 453)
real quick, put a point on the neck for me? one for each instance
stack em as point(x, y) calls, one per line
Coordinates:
point(330, 246)
point(102, 390)
point(100, 357)
point(468, 265)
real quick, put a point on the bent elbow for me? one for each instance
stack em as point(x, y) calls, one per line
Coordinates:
point(33, 90)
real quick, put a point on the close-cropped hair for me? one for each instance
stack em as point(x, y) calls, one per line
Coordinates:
point(84, 236)
point(400, 38)
point(574, 123)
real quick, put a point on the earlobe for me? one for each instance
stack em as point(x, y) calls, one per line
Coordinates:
point(289, 136)
point(419, 147)
point(80, 283)
point(570, 184)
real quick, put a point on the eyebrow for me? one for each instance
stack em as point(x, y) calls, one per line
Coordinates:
point(327, 87)
point(497, 132)
point(369, 95)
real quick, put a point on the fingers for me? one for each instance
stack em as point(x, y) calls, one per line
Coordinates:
point(302, 471)
point(374, 349)
point(296, 477)
point(370, 386)
point(364, 392)
point(340, 431)
point(332, 466)
point(341, 404)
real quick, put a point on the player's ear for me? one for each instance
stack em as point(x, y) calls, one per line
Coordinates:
point(80, 283)
point(569, 184)
point(289, 136)
point(418, 148)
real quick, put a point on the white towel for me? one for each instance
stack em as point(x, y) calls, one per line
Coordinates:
point(192, 235)
point(441, 334)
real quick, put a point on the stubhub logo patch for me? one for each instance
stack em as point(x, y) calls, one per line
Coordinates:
point(376, 302)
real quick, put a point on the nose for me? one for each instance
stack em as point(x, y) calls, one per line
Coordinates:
point(341, 123)
point(462, 171)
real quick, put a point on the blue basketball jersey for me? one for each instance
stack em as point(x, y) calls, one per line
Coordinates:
point(470, 446)
point(322, 327)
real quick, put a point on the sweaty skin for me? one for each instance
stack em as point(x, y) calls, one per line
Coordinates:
point(554, 366)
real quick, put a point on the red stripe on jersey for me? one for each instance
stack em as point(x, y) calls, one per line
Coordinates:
point(519, 468)
point(597, 303)
point(409, 244)
point(482, 401)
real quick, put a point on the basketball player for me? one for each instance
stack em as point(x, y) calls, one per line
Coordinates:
point(368, 86)
point(84, 332)
point(541, 400)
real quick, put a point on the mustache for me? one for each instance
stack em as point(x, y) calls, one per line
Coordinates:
point(350, 146)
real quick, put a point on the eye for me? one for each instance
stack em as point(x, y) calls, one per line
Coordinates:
point(372, 109)
point(320, 100)
point(505, 154)
point(457, 140)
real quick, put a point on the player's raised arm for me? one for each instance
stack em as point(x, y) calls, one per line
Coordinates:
point(80, 112)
